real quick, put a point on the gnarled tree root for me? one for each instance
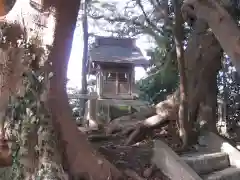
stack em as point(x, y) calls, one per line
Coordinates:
point(165, 111)
point(145, 128)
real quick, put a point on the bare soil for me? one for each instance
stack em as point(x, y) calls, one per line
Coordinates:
point(134, 160)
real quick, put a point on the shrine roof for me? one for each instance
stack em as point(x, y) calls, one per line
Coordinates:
point(117, 50)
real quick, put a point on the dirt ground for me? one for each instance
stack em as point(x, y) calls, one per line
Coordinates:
point(136, 159)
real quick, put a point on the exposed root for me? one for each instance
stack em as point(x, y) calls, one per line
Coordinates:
point(144, 129)
point(137, 130)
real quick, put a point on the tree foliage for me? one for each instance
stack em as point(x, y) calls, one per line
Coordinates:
point(229, 90)
point(162, 78)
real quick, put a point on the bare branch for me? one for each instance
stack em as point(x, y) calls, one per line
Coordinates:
point(133, 21)
point(150, 23)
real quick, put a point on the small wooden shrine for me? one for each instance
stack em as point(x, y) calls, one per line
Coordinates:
point(112, 61)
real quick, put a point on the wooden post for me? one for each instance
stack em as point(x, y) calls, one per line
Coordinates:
point(133, 75)
point(117, 83)
point(92, 115)
point(97, 110)
point(132, 79)
point(101, 74)
point(108, 113)
point(98, 83)
point(129, 81)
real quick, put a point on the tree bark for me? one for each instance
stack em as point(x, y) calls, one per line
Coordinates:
point(165, 112)
point(183, 107)
point(84, 57)
point(81, 157)
point(222, 24)
point(39, 19)
point(22, 23)
point(11, 62)
point(202, 58)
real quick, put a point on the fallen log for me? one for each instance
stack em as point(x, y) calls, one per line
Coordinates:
point(166, 111)
point(146, 128)
point(138, 125)
point(120, 123)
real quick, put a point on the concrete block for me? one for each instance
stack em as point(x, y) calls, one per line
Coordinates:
point(205, 163)
point(230, 173)
point(171, 164)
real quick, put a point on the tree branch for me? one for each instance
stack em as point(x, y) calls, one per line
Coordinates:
point(147, 19)
point(145, 29)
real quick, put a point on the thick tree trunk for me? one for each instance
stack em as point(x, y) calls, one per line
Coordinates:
point(40, 20)
point(183, 107)
point(11, 62)
point(202, 56)
point(28, 142)
point(222, 24)
point(81, 157)
point(22, 23)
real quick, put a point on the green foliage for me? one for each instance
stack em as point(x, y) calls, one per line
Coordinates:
point(229, 92)
point(156, 87)
point(162, 77)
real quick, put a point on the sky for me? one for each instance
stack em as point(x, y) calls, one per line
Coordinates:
point(74, 66)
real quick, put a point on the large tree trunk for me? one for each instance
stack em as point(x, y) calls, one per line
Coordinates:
point(81, 157)
point(12, 66)
point(202, 56)
point(183, 105)
point(39, 20)
point(84, 57)
point(222, 24)
point(22, 23)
